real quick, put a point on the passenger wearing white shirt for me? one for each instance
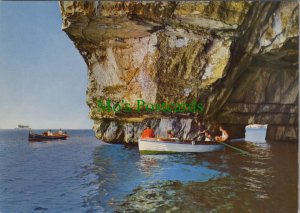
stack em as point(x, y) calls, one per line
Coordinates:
point(49, 133)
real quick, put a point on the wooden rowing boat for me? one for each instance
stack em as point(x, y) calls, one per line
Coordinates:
point(36, 137)
point(157, 145)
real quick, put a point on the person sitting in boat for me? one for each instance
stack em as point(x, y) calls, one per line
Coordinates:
point(60, 132)
point(170, 134)
point(209, 137)
point(49, 133)
point(202, 131)
point(148, 132)
point(224, 137)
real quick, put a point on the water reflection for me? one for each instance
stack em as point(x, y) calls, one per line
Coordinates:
point(265, 181)
point(254, 184)
point(147, 163)
point(123, 171)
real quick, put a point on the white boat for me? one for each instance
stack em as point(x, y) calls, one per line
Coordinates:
point(157, 145)
point(22, 127)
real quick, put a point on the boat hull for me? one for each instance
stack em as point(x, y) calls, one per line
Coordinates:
point(37, 138)
point(152, 146)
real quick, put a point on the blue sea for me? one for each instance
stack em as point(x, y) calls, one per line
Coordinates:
point(82, 174)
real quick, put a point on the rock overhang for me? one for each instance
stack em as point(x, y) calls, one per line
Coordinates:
point(180, 51)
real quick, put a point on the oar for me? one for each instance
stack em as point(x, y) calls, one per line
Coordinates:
point(243, 152)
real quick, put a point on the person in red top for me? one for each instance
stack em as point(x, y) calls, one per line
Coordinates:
point(148, 132)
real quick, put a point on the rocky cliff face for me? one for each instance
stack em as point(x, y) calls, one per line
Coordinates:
point(239, 59)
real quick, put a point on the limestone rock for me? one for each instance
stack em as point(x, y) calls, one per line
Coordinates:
point(240, 59)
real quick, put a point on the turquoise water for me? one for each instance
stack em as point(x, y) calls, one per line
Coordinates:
point(82, 174)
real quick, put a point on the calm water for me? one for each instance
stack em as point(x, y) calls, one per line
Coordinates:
point(83, 175)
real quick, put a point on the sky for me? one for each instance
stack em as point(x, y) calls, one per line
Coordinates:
point(43, 78)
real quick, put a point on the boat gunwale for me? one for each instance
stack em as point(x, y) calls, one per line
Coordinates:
point(181, 143)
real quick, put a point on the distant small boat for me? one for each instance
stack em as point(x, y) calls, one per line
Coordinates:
point(22, 126)
point(156, 146)
point(36, 137)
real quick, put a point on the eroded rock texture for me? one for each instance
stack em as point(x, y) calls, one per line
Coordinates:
point(239, 59)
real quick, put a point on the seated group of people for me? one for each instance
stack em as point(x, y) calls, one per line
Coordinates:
point(50, 133)
point(224, 137)
point(149, 133)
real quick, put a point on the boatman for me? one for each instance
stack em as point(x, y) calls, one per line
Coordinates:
point(49, 133)
point(208, 137)
point(224, 137)
point(60, 132)
point(148, 132)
